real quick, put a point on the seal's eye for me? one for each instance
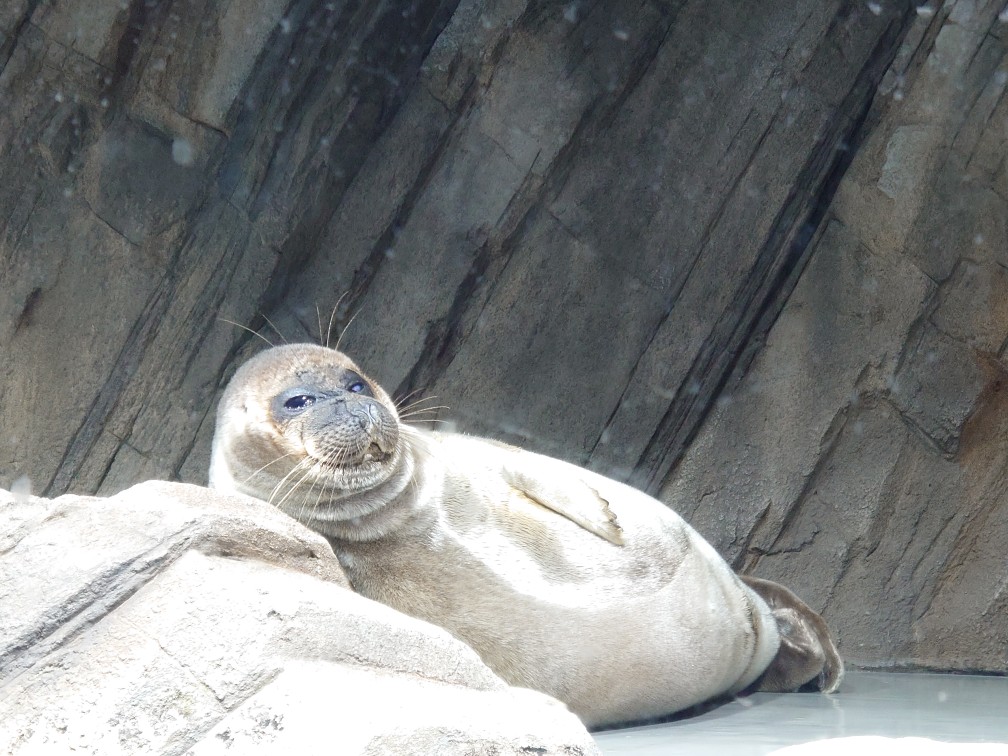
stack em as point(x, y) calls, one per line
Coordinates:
point(299, 402)
point(356, 383)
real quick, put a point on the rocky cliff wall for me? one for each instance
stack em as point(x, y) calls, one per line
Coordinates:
point(749, 257)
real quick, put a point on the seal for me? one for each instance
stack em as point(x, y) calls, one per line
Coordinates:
point(561, 579)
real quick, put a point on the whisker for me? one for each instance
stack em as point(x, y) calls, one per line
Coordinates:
point(418, 406)
point(417, 403)
point(304, 464)
point(299, 489)
point(332, 316)
point(304, 500)
point(273, 326)
point(428, 420)
point(418, 440)
point(345, 328)
point(278, 486)
point(419, 410)
point(398, 402)
point(296, 486)
point(332, 459)
point(246, 328)
point(307, 496)
point(267, 465)
point(318, 499)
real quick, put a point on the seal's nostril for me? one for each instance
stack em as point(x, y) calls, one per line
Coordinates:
point(363, 418)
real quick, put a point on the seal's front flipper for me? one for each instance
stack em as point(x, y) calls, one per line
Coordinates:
point(807, 653)
point(570, 498)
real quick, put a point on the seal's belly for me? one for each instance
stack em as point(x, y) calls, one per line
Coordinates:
point(617, 632)
point(611, 648)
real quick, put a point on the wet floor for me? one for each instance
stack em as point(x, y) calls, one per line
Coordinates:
point(951, 708)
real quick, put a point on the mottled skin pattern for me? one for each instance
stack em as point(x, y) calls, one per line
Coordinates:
point(561, 579)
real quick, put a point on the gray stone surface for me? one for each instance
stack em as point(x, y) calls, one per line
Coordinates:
point(699, 249)
point(861, 458)
point(171, 617)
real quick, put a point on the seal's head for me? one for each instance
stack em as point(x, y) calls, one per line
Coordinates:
point(299, 425)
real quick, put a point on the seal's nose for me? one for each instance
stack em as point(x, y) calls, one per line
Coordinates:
point(363, 417)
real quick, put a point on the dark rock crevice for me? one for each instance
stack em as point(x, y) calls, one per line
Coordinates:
point(781, 262)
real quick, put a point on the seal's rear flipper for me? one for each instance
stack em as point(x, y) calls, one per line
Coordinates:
point(807, 653)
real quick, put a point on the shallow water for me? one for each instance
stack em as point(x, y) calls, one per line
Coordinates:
point(952, 708)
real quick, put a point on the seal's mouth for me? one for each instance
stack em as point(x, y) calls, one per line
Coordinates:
point(374, 453)
point(372, 456)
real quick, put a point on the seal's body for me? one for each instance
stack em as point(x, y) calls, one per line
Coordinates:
point(561, 579)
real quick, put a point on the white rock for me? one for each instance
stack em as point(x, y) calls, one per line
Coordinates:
point(172, 617)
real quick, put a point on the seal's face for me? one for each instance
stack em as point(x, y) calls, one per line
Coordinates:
point(301, 423)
